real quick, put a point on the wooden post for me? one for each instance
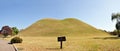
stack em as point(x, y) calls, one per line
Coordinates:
point(60, 44)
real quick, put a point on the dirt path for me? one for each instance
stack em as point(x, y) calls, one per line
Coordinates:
point(4, 46)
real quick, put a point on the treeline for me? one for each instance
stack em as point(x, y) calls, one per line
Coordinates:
point(110, 32)
point(6, 30)
point(113, 32)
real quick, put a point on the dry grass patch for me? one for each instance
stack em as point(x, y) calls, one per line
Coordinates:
point(72, 44)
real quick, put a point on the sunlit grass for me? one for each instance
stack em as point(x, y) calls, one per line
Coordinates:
point(68, 27)
point(72, 44)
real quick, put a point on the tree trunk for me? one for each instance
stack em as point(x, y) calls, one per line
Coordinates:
point(118, 33)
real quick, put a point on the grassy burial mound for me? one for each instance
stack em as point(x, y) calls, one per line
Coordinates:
point(67, 27)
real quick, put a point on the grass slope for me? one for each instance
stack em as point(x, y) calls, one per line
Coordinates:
point(67, 27)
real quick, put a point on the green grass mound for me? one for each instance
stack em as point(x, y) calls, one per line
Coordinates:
point(66, 27)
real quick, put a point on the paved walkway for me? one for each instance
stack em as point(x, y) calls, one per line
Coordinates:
point(4, 46)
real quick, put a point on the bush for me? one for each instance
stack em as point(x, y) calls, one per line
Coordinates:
point(16, 40)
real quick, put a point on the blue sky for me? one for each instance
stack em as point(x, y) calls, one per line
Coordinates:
point(22, 13)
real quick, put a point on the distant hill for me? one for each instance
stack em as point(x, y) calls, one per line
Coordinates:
point(67, 27)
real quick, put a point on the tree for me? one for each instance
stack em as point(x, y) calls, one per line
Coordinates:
point(6, 30)
point(117, 17)
point(15, 30)
point(5, 33)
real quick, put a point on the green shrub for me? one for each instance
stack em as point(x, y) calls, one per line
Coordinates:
point(16, 40)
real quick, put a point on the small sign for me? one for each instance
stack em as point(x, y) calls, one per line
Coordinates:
point(61, 39)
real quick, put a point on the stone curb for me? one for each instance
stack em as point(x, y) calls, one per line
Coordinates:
point(15, 48)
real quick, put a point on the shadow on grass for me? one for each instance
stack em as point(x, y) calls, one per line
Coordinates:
point(106, 38)
point(53, 48)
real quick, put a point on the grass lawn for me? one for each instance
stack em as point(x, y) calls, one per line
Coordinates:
point(96, 43)
point(42, 36)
